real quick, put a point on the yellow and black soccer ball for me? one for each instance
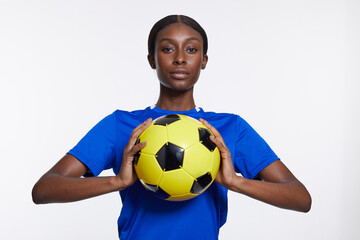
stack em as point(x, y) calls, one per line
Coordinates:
point(179, 161)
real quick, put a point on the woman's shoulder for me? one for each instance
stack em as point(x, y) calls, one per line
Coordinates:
point(128, 116)
point(221, 116)
point(130, 113)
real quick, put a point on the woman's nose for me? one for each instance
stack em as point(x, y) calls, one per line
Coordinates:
point(180, 59)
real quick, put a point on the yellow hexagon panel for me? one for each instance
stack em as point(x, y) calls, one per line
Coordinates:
point(192, 121)
point(182, 197)
point(216, 159)
point(197, 160)
point(176, 182)
point(183, 134)
point(148, 169)
point(155, 136)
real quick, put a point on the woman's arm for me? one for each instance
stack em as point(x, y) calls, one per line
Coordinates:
point(63, 182)
point(279, 186)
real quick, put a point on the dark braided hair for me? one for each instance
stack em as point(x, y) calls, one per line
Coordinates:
point(162, 23)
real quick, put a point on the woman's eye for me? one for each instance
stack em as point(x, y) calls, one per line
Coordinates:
point(191, 50)
point(167, 49)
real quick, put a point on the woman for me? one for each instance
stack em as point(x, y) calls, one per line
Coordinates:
point(177, 51)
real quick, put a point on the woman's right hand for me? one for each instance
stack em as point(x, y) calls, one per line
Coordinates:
point(127, 175)
point(63, 182)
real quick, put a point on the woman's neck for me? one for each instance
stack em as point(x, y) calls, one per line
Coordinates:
point(176, 100)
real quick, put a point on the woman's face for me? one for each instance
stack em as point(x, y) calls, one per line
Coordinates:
point(178, 56)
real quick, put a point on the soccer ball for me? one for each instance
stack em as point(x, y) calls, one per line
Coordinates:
point(179, 161)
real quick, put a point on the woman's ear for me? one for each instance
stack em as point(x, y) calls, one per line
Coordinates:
point(151, 61)
point(204, 61)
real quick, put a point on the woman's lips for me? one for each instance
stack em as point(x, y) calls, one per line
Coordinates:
point(179, 74)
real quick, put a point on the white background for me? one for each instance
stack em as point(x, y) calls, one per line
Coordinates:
point(290, 68)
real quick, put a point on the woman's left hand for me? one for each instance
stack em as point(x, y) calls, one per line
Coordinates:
point(226, 175)
point(279, 186)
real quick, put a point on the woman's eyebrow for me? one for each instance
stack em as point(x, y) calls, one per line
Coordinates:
point(188, 39)
point(166, 40)
point(192, 38)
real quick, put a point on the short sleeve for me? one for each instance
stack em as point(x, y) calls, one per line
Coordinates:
point(252, 153)
point(97, 148)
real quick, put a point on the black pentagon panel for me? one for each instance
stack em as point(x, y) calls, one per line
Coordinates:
point(136, 158)
point(158, 191)
point(137, 155)
point(201, 183)
point(166, 120)
point(170, 157)
point(204, 135)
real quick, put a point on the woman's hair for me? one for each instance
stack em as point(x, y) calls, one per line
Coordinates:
point(162, 23)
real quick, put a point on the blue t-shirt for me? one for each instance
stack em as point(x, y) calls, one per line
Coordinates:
point(145, 216)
